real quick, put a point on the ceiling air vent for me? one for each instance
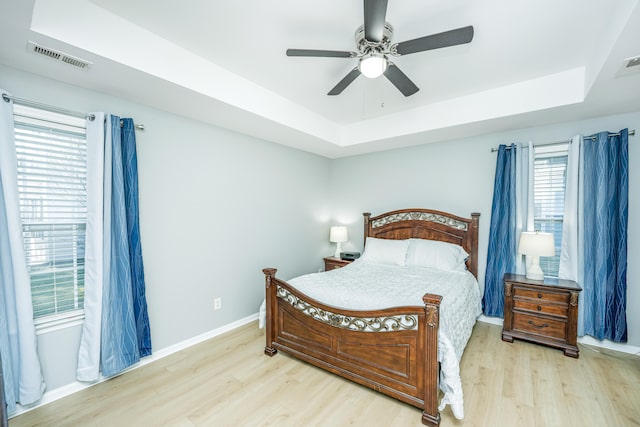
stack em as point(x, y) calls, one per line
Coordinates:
point(58, 55)
point(46, 52)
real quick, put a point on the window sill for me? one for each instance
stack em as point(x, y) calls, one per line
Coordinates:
point(57, 322)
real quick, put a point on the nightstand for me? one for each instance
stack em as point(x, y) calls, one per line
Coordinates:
point(541, 311)
point(331, 263)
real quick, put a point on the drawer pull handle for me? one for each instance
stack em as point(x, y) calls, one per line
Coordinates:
point(544, 325)
point(539, 295)
point(539, 308)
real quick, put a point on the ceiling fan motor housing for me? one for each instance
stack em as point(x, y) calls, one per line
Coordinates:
point(365, 46)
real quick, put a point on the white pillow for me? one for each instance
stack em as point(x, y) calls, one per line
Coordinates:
point(385, 251)
point(438, 255)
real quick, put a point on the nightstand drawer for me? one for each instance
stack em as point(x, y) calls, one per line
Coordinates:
point(541, 307)
point(540, 295)
point(540, 326)
point(331, 263)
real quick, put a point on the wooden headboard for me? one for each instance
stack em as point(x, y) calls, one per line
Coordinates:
point(427, 224)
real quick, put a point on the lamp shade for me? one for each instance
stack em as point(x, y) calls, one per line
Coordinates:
point(536, 244)
point(338, 234)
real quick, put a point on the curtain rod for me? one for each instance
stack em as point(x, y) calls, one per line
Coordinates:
point(542, 144)
point(35, 104)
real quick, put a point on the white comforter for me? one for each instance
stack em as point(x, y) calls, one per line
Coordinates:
point(368, 286)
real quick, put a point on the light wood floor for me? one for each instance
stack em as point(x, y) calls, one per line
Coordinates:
point(227, 381)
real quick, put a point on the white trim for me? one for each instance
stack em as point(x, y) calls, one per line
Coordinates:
point(587, 340)
point(492, 320)
point(60, 392)
point(58, 321)
point(610, 345)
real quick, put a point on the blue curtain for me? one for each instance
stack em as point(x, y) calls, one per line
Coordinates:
point(502, 233)
point(130, 168)
point(125, 323)
point(606, 201)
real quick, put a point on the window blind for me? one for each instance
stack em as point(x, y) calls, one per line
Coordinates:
point(550, 170)
point(52, 175)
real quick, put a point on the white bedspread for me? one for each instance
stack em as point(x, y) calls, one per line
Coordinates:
point(368, 286)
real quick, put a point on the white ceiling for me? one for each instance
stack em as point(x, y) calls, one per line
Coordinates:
point(223, 62)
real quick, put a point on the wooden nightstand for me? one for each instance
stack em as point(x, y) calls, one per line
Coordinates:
point(331, 263)
point(544, 312)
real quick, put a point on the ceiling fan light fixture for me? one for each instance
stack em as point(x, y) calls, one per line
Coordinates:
point(372, 65)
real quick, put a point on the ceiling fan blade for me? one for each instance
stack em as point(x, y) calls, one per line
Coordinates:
point(375, 12)
point(400, 80)
point(346, 81)
point(436, 41)
point(321, 53)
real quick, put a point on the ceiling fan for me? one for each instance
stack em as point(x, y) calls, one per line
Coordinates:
point(374, 47)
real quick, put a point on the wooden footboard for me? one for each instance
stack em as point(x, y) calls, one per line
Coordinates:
point(393, 351)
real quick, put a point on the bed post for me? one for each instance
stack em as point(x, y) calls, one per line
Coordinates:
point(430, 414)
point(367, 225)
point(270, 274)
point(473, 243)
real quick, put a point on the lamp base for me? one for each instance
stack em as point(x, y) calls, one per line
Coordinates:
point(534, 272)
point(338, 250)
point(532, 276)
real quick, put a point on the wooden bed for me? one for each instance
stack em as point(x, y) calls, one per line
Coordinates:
point(373, 348)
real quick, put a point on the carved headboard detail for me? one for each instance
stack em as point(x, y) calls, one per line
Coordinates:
point(427, 224)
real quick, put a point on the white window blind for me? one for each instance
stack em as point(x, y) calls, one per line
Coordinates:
point(550, 171)
point(52, 176)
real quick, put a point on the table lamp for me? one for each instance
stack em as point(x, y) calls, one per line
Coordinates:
point(337, 236)
point(536, 244)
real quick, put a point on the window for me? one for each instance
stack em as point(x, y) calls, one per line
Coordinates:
point(52, 176)
point(549, 182)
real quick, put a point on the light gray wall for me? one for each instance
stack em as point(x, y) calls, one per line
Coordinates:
point(457, 176)
point(215, 208)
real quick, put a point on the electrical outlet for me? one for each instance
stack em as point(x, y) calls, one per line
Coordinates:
point(217, 303)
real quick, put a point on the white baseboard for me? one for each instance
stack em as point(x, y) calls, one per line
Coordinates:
point(60, 392)
point(492, 320)
point(610, 345)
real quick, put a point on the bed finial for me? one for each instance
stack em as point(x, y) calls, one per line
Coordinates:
point(269, 273)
